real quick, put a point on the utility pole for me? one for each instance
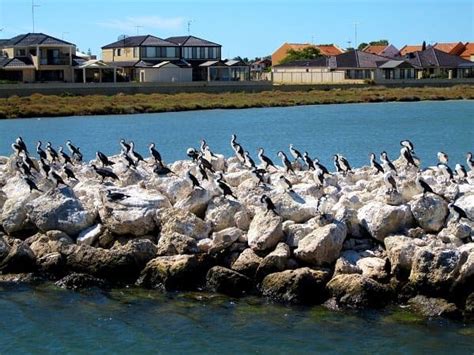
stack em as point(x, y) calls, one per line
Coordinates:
point(138, 29)
point(189, 27)
point(33, 6)
point(355, 34)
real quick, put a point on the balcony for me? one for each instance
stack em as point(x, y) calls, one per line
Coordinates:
point(62, 60)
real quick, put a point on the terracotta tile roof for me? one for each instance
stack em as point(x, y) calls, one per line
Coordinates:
point(451, 48)
point(410, 49)
point(377, 49)
point(468, 51)
point(329, 49)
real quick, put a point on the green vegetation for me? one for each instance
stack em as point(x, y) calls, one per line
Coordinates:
point(67, 105)
point(380, 42)
point(309, 52)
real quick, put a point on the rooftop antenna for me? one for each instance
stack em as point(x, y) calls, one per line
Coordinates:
point(189, 27)
point(138, 29)
point(355, 34)
point(33, 6)
point(349, 44)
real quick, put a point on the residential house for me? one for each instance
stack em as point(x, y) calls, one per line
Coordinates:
point(407, 49)
point(231, 70)
point(37, 57)
point(197, 51)
point(389, 51)
point(259, 67)
point(454, 48)
point(137, 57)
point(325, 50)
point(468, 52)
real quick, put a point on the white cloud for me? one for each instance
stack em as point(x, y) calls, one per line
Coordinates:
point(146, 22)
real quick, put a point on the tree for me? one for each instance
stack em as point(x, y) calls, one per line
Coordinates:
point(380, 42)
point(423, 46)
point(309, 52)
point(362, 46)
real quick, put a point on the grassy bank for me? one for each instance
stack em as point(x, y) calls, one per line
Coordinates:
point(46, 106)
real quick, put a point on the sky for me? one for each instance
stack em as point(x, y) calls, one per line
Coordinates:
point(246, 28)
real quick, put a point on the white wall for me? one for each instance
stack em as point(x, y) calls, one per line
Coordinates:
point(166, 75)
point(307, 76)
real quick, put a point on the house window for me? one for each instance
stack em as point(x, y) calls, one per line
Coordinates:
point(118, 52)
point(202, 53)
point(170, 52)
point(402, 73)
point(21, 52)
point(212, 53)
point(150, 52)
point(187, 52)
point(195, 53)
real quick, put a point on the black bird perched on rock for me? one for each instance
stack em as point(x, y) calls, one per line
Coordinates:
point(115, 196)
point(375, 165)
point(320, 166)
point(269, 204)
point(126, 157)
point(407, 143)
point(16, 149)
point(104, 173)
point(286, 184)
point(52, 152)
point(407, 155)
point(266, 161)
point(23, 168)
point(162, 170)
point(344, 164)
point(31, 184)
point(249, 161)
point(27, 160)
point(469, 161)
point(423, 185)
point(56, 178)
point(318, 177)
point(103, 159)
point(295, 153)
point(69, 173)
point(286, 163)
point(193, 154)
point(225, 189)
point(446, 170)
point(125, 145)
point(308, 161)
point(203, 173)
point(443, 157)
point(64, 156)
point(155, 154)
point(237, 148)
point(390, 182)
point(461, 172)
point(206, 164)
point(457, 211)
point(76, 154)
point(19, 141)
point(41, 153)
point(45, 168)
point(386, 163)
point(259, 175)
point(133, 154)
point(194, 180)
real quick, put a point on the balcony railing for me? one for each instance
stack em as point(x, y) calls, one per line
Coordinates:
point(63, 60)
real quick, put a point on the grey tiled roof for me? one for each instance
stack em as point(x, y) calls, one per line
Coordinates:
point(16, 63)
point(32, 39)
point(151, 63)
point(137, 41)
point(189, 41)
point(432, 57)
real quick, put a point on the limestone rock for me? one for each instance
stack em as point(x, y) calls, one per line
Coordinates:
point(381, 220)
point(196, 202)
point(300, 286)
point(174, 220)
point(430, 212)
point(19, 259)
point(373, 267)
point(60, 210)
point(466, 202)
point(226, 281)
point(347, 263)
point(224, 239)
point(78, 281)
point(265, 231)
point(355, 290)
point(401, 250)
point(276, 261)
point(247, 263)
point(323, 245)
point(14, 216)
point(221, 212)
point(175, 244)
point(90, 235)
point(433, 307)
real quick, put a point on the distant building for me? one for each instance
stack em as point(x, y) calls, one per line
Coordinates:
point(258, 67)
point(37, 57)
point(230, 70)
point(406, 49)
point(325, 50)
point(389, 51)
point(468, 52)
point(454, 48)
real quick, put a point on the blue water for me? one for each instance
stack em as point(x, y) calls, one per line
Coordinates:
point(354, 130)
point(49, 320)
point(45, 319)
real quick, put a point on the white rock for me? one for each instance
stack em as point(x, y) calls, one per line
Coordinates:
point(430, 212)
point(265, 231)
point(90, 235)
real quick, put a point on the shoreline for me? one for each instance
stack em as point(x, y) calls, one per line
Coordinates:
point(348, 243)
point(39, 106)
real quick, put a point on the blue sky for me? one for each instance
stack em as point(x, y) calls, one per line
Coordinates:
point(246, 28)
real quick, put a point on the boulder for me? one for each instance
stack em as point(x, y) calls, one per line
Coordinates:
point(299, 286)
point(381, 220)
point(196, 202)
point(174, 220)
point(221, 212)
point(433, 307)
point(226, 281)
point(77, 281)
point(177, 272)
point(51, 264)
point(265, 231)
point(14, 215)
point(60, 210)
point(323, 245)
point(90, 235)
point(176, 244)
point(435, 270)
point(134, 215)
point(19, 259)
point(466, 202)
point(224, 239)
point(50, 242)
point(400, 251)
point(430, 212)
point(373, 267)
point(276, 261)
point(347, 263)
point(355, 290)
point(247, 263)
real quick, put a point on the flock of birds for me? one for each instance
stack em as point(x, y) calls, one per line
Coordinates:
point(56, 166)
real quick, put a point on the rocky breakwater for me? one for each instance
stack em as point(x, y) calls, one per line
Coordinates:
point(349, 241)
